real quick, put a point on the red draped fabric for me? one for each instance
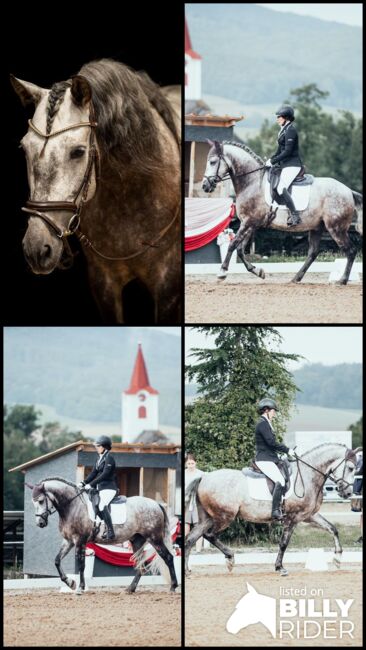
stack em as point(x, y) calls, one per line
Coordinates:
point(197, 241)
point(122, 556)
point(200, 221)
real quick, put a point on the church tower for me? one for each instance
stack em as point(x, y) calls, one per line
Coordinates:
point(140, 402)
point(192, 81)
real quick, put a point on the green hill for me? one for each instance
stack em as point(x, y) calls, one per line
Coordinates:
point(255, 55)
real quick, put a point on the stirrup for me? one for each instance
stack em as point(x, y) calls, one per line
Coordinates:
point(293, 216)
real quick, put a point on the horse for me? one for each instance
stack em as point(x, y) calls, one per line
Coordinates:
point(104, 147)
point(331, 207)
point(223, 495)
point(146, 522)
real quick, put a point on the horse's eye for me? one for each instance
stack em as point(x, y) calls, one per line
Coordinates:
point(78, 152)
point(212, 162)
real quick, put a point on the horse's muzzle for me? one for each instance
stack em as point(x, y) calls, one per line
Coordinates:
point(208, 185)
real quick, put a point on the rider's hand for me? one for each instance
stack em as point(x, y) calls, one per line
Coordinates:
point(81, 485)
point(87, 486)
point(291, 454)
point(268, 163)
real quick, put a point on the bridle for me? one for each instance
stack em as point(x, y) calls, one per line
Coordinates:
point(216, 178)
point(327, 475)
point(46, 513)
point(40, 208)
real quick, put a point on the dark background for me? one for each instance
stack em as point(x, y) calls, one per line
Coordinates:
point(48, 43)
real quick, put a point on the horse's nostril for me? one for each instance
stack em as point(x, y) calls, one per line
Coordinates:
point(46, 250)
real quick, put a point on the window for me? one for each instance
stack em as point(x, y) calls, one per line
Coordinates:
point(142, 411)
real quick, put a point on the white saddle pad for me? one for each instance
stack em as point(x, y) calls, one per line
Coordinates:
point(118, 512)
point(300, 196)
point(258, 489)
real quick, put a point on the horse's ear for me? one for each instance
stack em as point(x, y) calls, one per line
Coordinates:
point(211, 142)
point(251, 589)
point(29, 485)
point(218, 147)
point(27, 92)
point(80, 90)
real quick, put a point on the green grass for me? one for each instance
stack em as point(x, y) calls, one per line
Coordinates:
point(323, 257)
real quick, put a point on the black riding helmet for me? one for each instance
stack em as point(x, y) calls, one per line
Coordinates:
point(267, 403)
point(286, 111)
point(105, 441)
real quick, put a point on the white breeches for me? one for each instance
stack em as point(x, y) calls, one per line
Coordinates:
point(106, 497)
point(271, 470)
point(287, 176)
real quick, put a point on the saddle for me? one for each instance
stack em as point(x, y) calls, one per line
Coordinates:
point(94, 498)
point(283, 465)
point(274, 174)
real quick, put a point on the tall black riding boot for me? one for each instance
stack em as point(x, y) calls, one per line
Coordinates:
point(109, 534)
point(294, 217)
point(276, 503)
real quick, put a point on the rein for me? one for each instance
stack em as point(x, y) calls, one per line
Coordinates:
point(49, 512)
point(325, 475)
point(229, 172)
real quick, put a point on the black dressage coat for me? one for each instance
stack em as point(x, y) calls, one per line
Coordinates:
point(287, 154)
point(265, 442)
point(103, 474)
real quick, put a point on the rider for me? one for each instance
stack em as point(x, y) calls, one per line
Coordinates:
point(288, 158)
point(266, 447)
point(103, 476)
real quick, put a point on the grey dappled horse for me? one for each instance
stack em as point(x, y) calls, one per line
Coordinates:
point(331, 207)
point(147, 522)
point(103, 162)
point(222, 495)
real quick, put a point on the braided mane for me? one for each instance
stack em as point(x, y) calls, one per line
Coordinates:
point(54, 102)
point(57, 478)
point(247, 149)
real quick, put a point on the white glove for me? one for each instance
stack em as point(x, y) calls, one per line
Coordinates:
point(268, 163)
point(291, 452)
point(87, 486)
point(80, 485)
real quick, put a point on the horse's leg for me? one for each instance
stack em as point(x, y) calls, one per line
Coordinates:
point(319, 521)
point(284, 541)
point(232, 247)
point(137, 542)
point(348, 248)
point(241, 253)
point(199, 530)
point(229, 554)
point(66, 546)
point(313, 252)
point(168, 558)
point(80, 554)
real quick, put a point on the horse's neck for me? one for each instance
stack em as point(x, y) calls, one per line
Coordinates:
point(323, 457)
point(60, 491)
point(242, 163)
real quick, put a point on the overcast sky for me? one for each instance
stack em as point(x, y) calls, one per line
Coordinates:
point(348, 13)
point(327, 345)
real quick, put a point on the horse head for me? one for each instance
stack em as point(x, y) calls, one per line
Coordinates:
point(253, 608)
point(216, 166)
point(40, 500)
point(61, 155)
point(344, 474)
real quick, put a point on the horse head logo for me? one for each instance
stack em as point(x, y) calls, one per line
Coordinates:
point(253, 608)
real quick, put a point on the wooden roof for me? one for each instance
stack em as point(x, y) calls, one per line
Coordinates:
point(211, 120)
point(117, 448)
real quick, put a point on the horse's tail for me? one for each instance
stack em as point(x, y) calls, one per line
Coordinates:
point(191, 491)
point(358, 199)
point(156, 563)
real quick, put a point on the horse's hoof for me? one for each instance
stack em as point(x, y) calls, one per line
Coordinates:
point(79, 592)
point(261, 274)
point(341, 282)
point(295, 280)
point(130, 591)
point(221, 275)
point(230, 561)
point(282, 571)
point(337, 562)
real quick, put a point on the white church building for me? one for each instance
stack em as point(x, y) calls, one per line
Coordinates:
point(140, 402)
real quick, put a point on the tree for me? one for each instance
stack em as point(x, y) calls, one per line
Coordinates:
point(357, 433)
point(329, 146)
point(53, 436)
point(232, 377)
point(23, 418)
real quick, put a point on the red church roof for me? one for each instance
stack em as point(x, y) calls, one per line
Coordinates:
point(140, 378)
point(188, 45)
